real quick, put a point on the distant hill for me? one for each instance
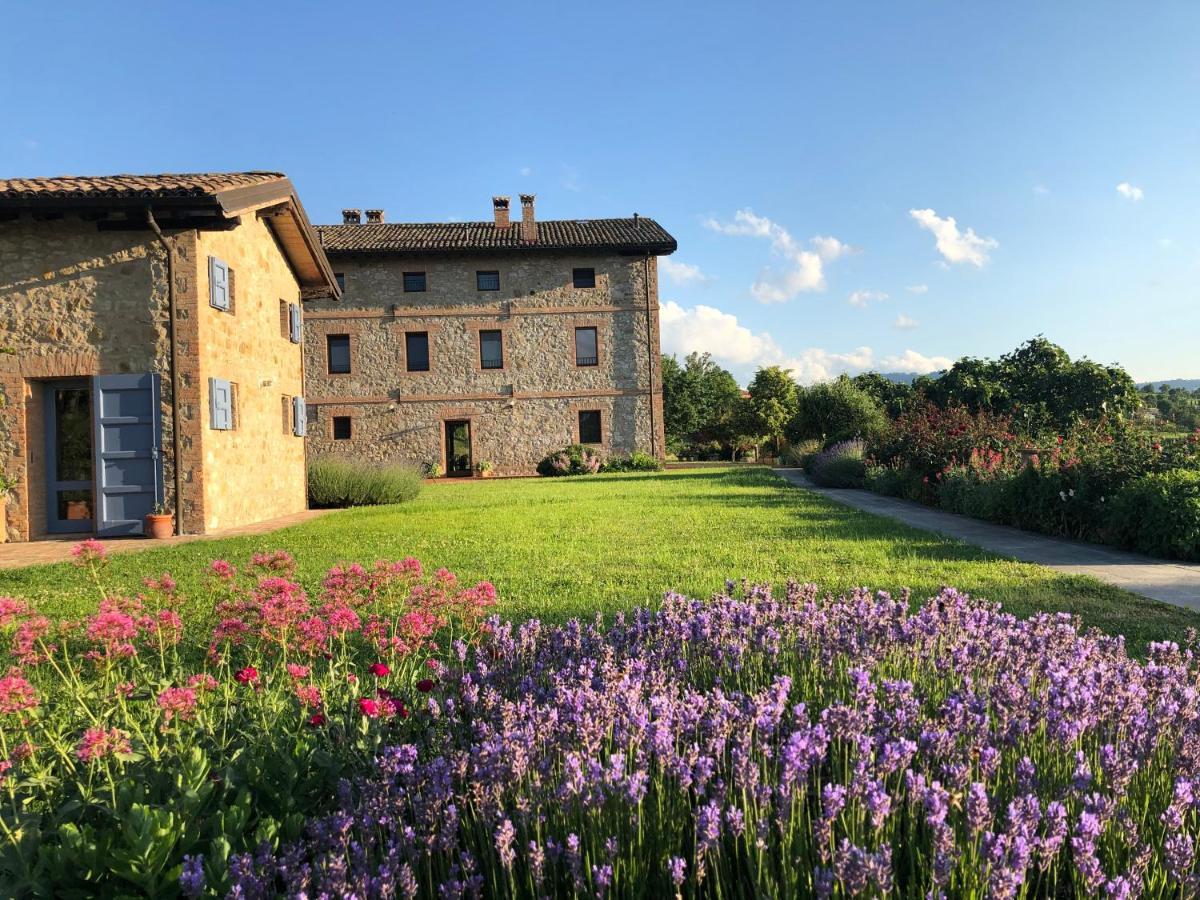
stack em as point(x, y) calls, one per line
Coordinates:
point(901, 377)
point(1188, 384)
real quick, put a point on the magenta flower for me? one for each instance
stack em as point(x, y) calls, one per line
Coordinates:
point(98, 743)
point(177, 702)
point(16, 695)
point(88, 551)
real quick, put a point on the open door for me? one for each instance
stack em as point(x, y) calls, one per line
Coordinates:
point(128, 441)
point(458, 449)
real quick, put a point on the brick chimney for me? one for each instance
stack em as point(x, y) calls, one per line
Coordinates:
point(500, 210)
point(351, 216)
point(374, 216)
point(528, 223)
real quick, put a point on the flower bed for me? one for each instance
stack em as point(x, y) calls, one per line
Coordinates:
point(133, 743)
point(779, 746)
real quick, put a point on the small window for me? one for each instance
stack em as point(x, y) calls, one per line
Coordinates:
point(416, 351)
point(589, 426)
point(487, 281)
point(414, 282)
point(339, 353)
point(583, 278)
point(341, 428)
point(340, 278)
point(586, 351)
point(491, 350)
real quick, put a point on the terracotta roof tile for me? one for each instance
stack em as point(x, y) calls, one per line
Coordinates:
point(131, 186)
point(639, 234)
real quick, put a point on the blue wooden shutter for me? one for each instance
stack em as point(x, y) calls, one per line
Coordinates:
point(218, 283)
point(220, 404)
point(294, 321)
point(299, 417)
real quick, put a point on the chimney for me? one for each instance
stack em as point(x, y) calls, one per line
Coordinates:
point(351, 216)
point(500, 210)
point(374, 216)
point(528, 223)
point(636, 220)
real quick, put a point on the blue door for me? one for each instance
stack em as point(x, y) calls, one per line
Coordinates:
point(69, 456)
point(128, 461)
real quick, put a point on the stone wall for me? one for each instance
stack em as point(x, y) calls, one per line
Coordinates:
point(518, 413)
point(256, 470)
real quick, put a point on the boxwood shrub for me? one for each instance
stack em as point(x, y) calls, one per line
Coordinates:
point(1159, 514)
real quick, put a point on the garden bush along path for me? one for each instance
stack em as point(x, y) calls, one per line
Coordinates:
point(1171, 582)
point(562, 547)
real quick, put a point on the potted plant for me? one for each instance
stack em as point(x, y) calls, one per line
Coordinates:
point(8, 486)
point(484, 468)
point(160, 524)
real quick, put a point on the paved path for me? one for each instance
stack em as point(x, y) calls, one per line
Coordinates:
point(1176, 583)
point(58, 549)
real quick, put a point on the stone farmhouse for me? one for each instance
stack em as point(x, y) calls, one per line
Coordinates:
point(468, 343)
point(150, 350)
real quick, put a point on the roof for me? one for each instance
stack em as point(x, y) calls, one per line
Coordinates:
point(66, 187)
point(638, 234)
point(210, 200)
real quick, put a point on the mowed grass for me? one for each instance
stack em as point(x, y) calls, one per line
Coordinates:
point(558, 548)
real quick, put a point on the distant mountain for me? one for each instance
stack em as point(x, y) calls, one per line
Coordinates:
point(901, 377)
point(1188, 384)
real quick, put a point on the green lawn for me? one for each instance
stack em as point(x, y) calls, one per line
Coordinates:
point(564, 547)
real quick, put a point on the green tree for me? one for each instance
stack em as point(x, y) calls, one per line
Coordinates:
point(836, 410)
point(892, 396)
point(699, 402)
point(773, 403)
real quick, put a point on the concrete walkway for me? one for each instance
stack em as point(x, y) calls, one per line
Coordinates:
point(1176, 583)
point(58, 548)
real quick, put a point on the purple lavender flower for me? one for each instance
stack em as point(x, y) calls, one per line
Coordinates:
point(191, 880)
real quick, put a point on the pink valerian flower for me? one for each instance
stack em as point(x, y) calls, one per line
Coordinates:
point(308, 695)
point(12, 609)
point(5, 765)
point(16, 694)
point(177, 702)
point(281, 605)
point(275, 561)
point(312, 635)
point(165, 626)
point(163, 584)
point(202, 682)
point(26, 640)
point(88, 551)
point(297, 671)
point(22, 751)
point(341, 618)
point(97, 743)
point(115, 626)
point(222, 570)
point(125, 689)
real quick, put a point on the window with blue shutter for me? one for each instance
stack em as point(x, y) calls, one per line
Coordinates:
point(218, 284)
point(299, 417)
point(294, 321)
point(220, 404)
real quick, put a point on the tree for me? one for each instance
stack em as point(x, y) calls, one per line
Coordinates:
point(699, 402)
point(892, 396)
point(836, 410)
point(773, 402)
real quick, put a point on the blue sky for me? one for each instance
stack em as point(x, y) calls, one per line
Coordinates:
point(747, 130)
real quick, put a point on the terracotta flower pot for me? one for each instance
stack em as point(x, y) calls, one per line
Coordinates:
point(160, 525)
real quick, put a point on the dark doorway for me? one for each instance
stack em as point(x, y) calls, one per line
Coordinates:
point(458, 449)
point(69, 454)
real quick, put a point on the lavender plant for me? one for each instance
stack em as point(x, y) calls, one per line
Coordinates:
point(763, 746)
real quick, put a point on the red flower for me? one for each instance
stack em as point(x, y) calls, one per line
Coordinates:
point(383, 693)
point(248, 675)
point(379, 670)
point(316, 720)
point(369, 707)
point(425, 685)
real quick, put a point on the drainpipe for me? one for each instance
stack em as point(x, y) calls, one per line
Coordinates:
point(178, 466)
point(650, 356)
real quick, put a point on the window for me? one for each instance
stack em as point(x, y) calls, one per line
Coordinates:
point(416, 351)
point(340, 278)
point(414, 282)
point(222, 401)
point(338, 346)
point(589, 426)
point(491, 350)
point(285, 318)
point(583, 278)
point(586, 351)
point(487, 281)
point(220, 284)
point(341, 428)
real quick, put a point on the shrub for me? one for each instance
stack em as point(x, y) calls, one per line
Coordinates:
point(133, 743)
point(334, 482)
point(576, 459)
point(836, 411)
point(796, 746)
point(896, 481)
point(1159, 514)
point(841, 465)
point(637, 461)
point(800, 454)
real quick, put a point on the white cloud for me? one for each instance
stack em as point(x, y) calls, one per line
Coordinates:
point(1041, 190)
point(917, 288)
point(912, 361)
point(526, 171)
point(569, 178)
point(706, 329)
point(860, 299)
point(954, 245)
point(806, 270)
point(681, 272)
point(905, 323)
point(1129, 192)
